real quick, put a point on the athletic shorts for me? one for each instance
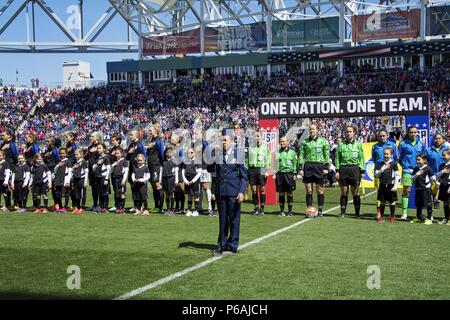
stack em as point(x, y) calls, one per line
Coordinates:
point(255, 177)
point(193, 189)
point(119, 190)
point(385, 195)
point(443, 193)
point(349, 176)
point(313, 173)
point(423, 198)
point(168, 184)
point(407, 180)
point(39, 188)
point(285, 182)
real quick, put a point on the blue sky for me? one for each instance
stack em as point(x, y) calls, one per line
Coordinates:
point(48, 67)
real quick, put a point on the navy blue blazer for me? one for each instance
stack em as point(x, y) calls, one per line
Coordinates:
point(231, 177)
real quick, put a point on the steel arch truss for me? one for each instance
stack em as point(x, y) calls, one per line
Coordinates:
point(146, 18)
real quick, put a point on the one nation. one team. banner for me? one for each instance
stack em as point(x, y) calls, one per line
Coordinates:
point(408, 104)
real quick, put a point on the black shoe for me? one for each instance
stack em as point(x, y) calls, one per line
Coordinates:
point(282, 214)
point(232, 250)
point(436, 205)
point(357, 216)
point(261, 213)
point(255, 211)
point(217, 253)
point(289, 214)
point(341, 216)
point(320, 214)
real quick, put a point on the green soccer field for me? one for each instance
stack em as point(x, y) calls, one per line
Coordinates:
point(325, 258)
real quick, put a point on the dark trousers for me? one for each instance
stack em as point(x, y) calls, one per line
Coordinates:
point(4, 190)
point(19, 194)
point(229, 223)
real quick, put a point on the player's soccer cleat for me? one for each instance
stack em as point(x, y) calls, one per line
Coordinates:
point(391, 219)
point(282, 214)
point(428, 222)
point(341, 216)
point(194, 214)
point(112, 209)
point(443, 221)
point(44, 210)
point(137, 212)
point(145, 213)
point(404, 217)
point(188, 213)
point(289, 214)
point(37, 211)
point(380, 219)
point(416, 220)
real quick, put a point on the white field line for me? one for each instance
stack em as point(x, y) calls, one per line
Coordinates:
point(202, 264)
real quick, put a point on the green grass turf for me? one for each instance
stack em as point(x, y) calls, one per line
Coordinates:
point(322, 259)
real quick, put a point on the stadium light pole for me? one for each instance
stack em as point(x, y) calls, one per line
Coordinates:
point(269, 36)
point(202, 32)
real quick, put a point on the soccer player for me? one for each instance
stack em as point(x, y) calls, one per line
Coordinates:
point(41, 182)
point(9, 147)
point(422, 177)
point(284, 175)
point(101, 170)
point(139, 178)
point(91, 155)
point(155, 158)
point(20, 180)
point(314, 158)
point(388, 176)
point(408, 150)
point(31, 148)
point(350, 169)
point(134, 149)
point(258, 170)
point(61, 182)
point(434, 159)
point(378, 156)
point(5, 175)
point(191, 173)
point(444, 185)
point(119, 176)
point(169, 179)
point(71, 146)
point(80, 180)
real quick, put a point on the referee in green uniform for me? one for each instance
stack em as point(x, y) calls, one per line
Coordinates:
point(313, 161)
point(285, 174)
point(258, 170)
point(350, 169)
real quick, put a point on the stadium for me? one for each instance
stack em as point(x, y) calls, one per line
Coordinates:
point(232, 150)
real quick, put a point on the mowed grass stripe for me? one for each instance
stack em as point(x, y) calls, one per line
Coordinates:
point(174, 276)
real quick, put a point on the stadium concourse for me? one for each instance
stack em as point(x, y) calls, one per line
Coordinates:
point(217, 101)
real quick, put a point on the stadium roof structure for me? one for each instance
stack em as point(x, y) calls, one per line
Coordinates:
point(147, 18)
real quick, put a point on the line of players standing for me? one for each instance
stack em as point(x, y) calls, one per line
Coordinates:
point(68, 171)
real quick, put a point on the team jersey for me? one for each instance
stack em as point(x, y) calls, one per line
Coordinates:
point(423, 181)
point(51, 157)
point(389, 175)
point(286, 161)
point(31, 150)
point(102, 167)
point(40, 174)
point(434, 157)
point(407, 153)
point(22, 174)
point(119, 168)
point(5, 171)
point(258, 156)
point(80, 169)
point(140, 173)
point(444, 178)
point(350, 154)
point(155, 155)
point(378, 151)
point(314, 150)
point(63, 173)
